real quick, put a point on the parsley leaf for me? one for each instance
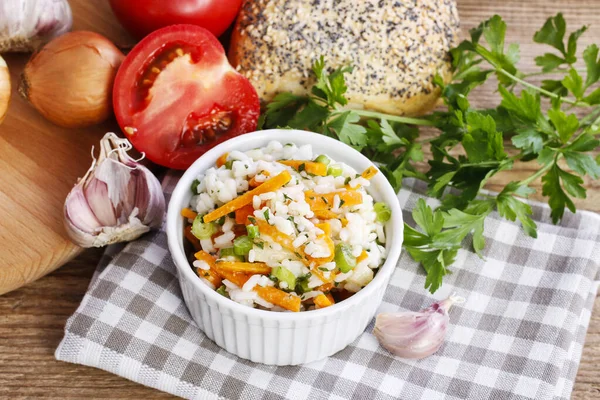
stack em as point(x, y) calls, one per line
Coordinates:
point(558, 198)
point(574, 82)
point(565, 125)
point(576, 158)
point(590, 56)
point(420, 245)
point(463, 223)
point(553, 33)
point(347, 130)
point(281, 110)
point(511, 208)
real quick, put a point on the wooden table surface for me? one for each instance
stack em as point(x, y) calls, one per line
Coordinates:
point(32, 318)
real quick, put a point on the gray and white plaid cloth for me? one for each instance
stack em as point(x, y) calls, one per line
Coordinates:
point(519, 335)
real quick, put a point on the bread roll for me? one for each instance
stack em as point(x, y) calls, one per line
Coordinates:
point(395, 46)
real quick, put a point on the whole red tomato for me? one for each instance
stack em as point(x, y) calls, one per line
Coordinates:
point(140, 17)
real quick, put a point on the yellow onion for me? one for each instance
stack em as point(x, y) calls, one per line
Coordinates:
point(4, 89)
point(69, 81)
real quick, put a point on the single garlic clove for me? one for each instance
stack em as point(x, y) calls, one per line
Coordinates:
point(79, 212)
point(117, 200)
point(415, 334)
point(149, 191)
point(27, 24)
point(96, 194)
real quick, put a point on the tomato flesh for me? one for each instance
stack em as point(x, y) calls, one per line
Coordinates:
point(176, 96)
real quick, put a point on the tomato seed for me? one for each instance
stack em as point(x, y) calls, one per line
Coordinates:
point(200, 130)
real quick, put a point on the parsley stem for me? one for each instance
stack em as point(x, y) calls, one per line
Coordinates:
point(537, 88)
point(540, 172)
point(406, 120)
point(554, 71)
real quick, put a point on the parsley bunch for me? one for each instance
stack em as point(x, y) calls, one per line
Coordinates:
point(535, 124)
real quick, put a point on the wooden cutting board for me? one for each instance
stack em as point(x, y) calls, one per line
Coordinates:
point(39, 163)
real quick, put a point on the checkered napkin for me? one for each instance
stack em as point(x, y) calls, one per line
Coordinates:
point(518, 336)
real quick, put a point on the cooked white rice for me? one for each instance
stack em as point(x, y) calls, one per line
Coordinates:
point(288, 211)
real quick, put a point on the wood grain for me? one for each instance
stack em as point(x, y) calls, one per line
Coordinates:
point(32, 318)
point(39, 164)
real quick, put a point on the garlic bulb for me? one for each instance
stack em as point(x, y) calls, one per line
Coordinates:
point(4, 89)
point(25, 25)
point(415, 334)
point(70, 80)
point(117, 200)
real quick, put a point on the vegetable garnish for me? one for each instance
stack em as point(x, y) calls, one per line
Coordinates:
point(298, 241)
point(249, 268)
point(546, 137)
point(239, 202)
point(315, 168)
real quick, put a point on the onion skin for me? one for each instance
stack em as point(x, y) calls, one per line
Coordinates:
point(4, 89)
point(69, 81)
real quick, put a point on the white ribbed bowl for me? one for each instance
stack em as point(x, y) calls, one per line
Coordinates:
point(275, 337)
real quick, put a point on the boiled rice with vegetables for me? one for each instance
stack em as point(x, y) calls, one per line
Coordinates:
point(305, 218)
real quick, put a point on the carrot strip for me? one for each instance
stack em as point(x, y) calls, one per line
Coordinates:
point(268, 186)
point(321, 301)
point(246, 267)
point(211, 274)
point(326, 236)
point(324, 201)
point(363, 256)
point(268, 293)
point(238, 278)
point(325, 227)
point(325, 214)
point(188, 213)
point(222, 160)
point(369, 172)
point(311, 167)
point(279, 237)
point(326, 287)
point(279, 297)
point(190, 237)
point(242, 214)
point(253, 182)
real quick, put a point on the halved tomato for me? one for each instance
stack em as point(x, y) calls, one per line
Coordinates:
point(176, 96)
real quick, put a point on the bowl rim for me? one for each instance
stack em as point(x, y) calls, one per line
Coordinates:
point(180, 192)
